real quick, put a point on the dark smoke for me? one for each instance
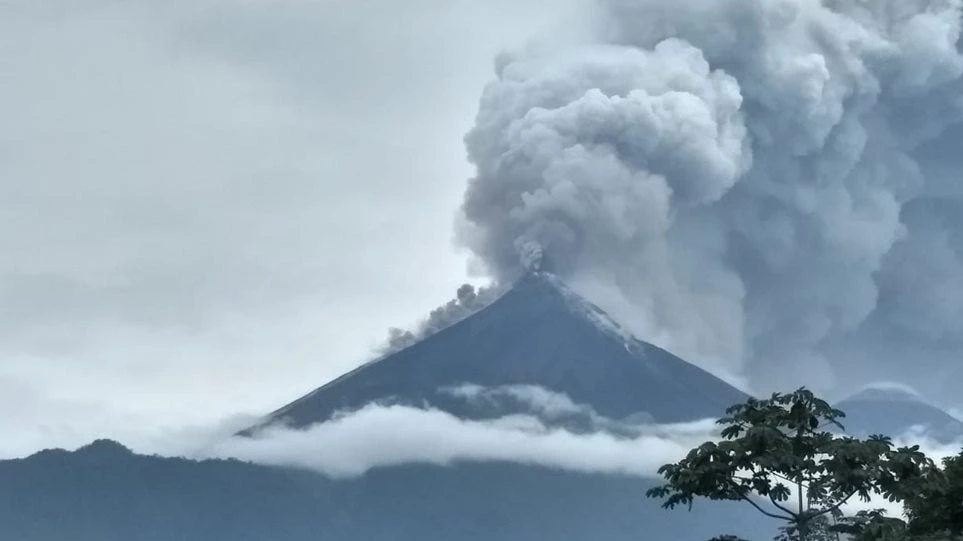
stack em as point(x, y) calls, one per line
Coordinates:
point(768, 187)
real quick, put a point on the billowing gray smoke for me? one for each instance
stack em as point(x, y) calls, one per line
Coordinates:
point(467, 301)
point(764, 186)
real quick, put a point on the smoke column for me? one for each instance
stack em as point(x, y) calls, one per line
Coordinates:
point(767, 187)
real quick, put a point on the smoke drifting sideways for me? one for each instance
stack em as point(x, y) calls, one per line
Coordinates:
point(467, 301)
point(768, 188)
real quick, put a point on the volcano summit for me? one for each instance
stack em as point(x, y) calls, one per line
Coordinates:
point(538, 333)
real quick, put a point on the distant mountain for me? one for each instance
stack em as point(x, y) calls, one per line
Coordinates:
point(893, 411)
point(537, 333)
point(104, 492)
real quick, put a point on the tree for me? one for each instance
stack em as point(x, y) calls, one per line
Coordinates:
point(937, 507)
point(873, 526)
point(781, 449)
point(934, 510)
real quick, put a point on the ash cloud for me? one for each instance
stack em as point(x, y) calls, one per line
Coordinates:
point(468, 300)
point(766, 187)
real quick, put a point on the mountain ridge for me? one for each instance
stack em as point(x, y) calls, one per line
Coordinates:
point(103, 492)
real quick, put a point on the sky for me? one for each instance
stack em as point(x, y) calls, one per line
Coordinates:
point(212, 207)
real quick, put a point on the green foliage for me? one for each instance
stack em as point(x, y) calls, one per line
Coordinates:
point(937, 507)
point(781, 448)
point(873, 526)
point(818, 529)
point(935, 511)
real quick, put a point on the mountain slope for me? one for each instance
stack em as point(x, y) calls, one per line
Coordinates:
point(106, 493)
point(894, 412)
point(537, 333)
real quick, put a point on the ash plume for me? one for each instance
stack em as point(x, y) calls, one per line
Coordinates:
point(766, 187)
point(467, 301)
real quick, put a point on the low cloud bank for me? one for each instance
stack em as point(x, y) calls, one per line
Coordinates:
point(380, 436)
point(554, 408)
point(385, 435)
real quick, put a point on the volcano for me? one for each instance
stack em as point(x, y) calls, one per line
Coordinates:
point(538, 333)
point(894, 411)
point(541, 333)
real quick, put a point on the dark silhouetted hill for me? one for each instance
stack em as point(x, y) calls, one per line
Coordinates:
point(104, 492)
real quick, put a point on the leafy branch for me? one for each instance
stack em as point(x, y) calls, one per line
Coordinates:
point(768, 446)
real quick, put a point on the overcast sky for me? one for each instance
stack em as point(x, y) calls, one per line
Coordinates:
point(209, 207)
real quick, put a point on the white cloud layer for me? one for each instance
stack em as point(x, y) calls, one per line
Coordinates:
point(382, 436)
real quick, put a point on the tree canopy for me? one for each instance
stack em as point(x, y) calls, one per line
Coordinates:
point(937, 507)
point(785, 457)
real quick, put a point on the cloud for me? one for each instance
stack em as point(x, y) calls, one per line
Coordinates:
point(382, 436)
point(378, 436)
point(552, 408)
point(894, 387)
point(36, 420)
point(756, 185)
point(539, 400)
